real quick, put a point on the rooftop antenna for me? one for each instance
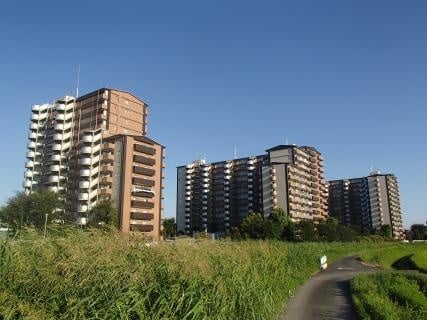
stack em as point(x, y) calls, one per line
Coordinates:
point(287, 142)
point(78, 82)
point(235, 153)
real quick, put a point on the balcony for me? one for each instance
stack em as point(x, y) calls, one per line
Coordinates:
point(29, 164)
point(54, 168)
point(59, 127)
point(143, 194)
point(56, 147)
point(30, 154)
point(84, 184)
point(57, 137)
point(85, 161)
point(143, 182)
point(107, 157)
point(27, 184)
point(31, 145)
point(83, 196)
point(34, 126)
point(144, 171)
point(141, 227)
point(35, 117)
point(55, 157)
point(28, 174)
point(53, 188)
point(107, 168)
point(85, 173)
point(82, 208)
point(142, 204)
point(141, 216)
point(105, 192)
point(144, 149)
point(86, 149)
point(87, 139)
point(53, 179)
point(32, 135)
point(60, 117)
point(60, 107)
point(144, 160)
point(106, 180)
point(36, 108)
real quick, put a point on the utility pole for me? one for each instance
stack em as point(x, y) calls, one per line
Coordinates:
point(45, 226)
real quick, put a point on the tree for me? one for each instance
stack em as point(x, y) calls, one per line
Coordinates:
point(30, 210)
point(306, 231)
point(41, 203)
point(104, 213)
point(279, 216)
point(328, 230)
point(278, 220)
point(419, 232)
point(290, 232)
point(385, 231)
point(169, 227)
point(255, 227)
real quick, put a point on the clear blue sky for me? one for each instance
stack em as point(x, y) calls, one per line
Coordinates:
point(348, 77)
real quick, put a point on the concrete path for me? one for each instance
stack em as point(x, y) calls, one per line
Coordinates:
point(327, 294)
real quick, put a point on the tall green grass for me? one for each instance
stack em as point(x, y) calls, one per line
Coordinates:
point(387, 256)
point(390, 296)
point(97, 275)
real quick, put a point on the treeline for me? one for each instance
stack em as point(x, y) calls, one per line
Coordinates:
point(278, 225)
point(41, 208)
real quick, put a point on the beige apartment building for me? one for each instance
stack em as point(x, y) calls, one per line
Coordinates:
point(217, 196)
point(368, 202)
point(94, 147)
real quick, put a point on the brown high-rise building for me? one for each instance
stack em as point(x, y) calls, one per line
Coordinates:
point(217, 196)
point(368, 202)
point(95, 147)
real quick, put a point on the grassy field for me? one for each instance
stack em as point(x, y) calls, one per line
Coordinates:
point(414, 255)
point(88, 275)
point(104, 275)
point(390, 296)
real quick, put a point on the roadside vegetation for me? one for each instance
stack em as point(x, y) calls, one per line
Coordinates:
point(398, 256)
point(390, 296)
point(106, 275)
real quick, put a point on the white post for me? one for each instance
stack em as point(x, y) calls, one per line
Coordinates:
point(323, 262)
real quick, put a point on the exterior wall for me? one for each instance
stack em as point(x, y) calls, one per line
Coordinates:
point(180, 203)
point(88, 148)
point(373, 201)
point(300, 186)
point(49, 146)
point(136, 185)
point(219, 195)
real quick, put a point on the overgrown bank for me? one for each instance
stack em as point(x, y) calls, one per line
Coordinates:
point(388, 294)
point(98, 275)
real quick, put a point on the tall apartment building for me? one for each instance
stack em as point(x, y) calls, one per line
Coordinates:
point(95, 147)
point(217, 196)
point(368, 202)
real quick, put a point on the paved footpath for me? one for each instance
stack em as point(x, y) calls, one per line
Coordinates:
point(327, 294)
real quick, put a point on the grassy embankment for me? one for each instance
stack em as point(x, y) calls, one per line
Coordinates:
point(391, 295)
point(86, 275)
